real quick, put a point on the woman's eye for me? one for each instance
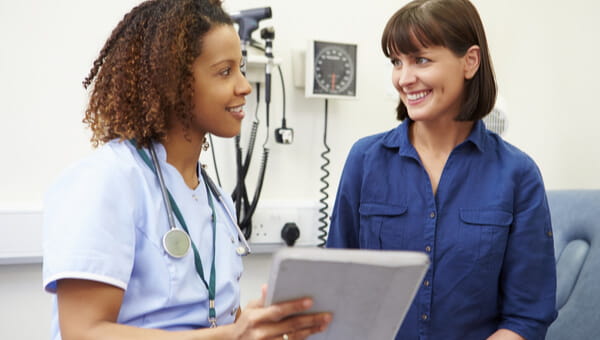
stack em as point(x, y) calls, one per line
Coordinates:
point(396, 62)
point(225, 72)
point(421, 60)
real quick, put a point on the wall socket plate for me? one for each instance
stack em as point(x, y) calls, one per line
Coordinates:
point(271, 216)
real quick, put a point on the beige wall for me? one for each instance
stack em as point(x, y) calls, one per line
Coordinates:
point(544, 55)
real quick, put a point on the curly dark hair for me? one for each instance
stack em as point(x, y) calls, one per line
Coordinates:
point(143, 75)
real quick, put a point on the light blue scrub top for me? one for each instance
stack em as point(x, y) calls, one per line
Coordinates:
point(104, 220)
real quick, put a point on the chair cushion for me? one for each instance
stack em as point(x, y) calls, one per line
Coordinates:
point(576, 226)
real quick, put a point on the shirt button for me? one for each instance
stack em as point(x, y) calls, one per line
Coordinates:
point(232, 240)
point(550, 233)
point(233, 311)
point(428, 249)
point(432, 214)
point(426, 283)
point(424, 317)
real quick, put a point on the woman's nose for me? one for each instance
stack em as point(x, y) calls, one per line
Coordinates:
point(243, 87)
point(406, 76)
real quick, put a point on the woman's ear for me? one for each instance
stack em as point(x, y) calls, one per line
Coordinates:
point(472, 60)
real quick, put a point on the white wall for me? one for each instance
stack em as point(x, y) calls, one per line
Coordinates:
point(545, 59)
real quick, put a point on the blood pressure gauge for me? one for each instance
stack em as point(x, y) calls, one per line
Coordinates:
point(331, 70)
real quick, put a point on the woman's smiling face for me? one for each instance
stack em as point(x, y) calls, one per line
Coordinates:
point(431, 82)
point(219, 86)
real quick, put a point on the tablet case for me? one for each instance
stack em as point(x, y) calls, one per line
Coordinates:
point(368, 291)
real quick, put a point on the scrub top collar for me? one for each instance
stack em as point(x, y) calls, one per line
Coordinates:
point(161, 154)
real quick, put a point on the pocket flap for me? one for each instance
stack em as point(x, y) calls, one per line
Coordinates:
point(486, 217)
point(381, 209)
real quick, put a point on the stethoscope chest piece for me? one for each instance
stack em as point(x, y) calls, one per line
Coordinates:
point(242, 251)
point(176, 242)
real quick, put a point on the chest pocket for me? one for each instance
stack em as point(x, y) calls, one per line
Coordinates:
point(381, 225)
point(484, 236)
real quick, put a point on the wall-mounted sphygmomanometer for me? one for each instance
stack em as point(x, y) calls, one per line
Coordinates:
point(329, 73)
point(330, 70)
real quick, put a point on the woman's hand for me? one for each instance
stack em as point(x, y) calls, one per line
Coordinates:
point(278, 321)
point(505, 334)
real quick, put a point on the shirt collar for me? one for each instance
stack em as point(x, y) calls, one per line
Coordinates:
point(398, 138)
point(478, 135)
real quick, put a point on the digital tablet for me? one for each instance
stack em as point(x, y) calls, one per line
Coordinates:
point(367, 291)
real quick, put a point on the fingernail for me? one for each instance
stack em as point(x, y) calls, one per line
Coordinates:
point(327, 318)
point(307, 303)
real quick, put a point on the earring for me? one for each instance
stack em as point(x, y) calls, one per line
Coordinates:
point(205, 144)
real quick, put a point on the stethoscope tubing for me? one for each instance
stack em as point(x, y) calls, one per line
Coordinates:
point(215, 191)
point(163, 189)
point(245, 248)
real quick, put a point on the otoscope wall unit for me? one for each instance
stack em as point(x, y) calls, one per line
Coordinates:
point(255, 68)
point(20, 236)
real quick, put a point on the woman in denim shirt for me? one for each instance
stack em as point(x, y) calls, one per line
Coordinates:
point(443, 184)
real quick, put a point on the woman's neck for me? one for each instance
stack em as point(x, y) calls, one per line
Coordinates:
point(184, 154)
point(439, 137)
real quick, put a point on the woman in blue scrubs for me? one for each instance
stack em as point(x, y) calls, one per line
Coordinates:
point(442, 184)
point(169, 74)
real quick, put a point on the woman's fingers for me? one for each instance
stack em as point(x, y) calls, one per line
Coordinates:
point(299, 327)
point(286, 318)
point(277, 312)
point(261, 302)
point(263, 295)
point(283, 310)
point(300, 334)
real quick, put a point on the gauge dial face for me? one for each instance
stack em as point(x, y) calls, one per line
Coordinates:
point(335, 69)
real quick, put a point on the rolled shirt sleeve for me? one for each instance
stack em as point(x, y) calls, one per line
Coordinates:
point(528, 281)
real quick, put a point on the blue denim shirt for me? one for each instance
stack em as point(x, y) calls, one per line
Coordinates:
point(487, 231)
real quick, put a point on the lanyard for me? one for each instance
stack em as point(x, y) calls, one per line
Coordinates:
point(211, 285)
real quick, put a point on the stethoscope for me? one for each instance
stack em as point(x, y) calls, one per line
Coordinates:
point(177, 242)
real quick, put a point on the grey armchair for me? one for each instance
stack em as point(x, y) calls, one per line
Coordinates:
point(576, 227)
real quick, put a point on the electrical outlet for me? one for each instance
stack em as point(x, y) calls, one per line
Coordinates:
point(271, 216)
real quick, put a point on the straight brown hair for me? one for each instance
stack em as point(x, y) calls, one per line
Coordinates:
point(456, 25)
